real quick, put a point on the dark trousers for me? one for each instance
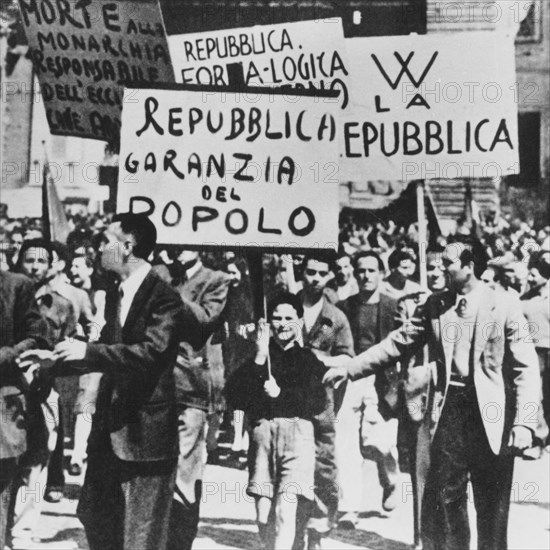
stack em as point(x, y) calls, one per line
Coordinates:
point(184, 522)
point(126, 505)
point(460, 452)
point(184, 518)
point(8, 473)
point(56, 474)
point(414, 449)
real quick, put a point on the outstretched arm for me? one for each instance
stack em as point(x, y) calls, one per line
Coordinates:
point(406, 339)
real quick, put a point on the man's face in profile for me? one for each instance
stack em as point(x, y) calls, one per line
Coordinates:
point(436, 273)
point(457, 274)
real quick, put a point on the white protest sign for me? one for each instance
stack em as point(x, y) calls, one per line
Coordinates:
point(85, 52)
point(431, 106)
point(305, 54)
point(217, 168)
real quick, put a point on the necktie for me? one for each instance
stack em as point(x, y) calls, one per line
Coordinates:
point(118, 324)
point(462, 307)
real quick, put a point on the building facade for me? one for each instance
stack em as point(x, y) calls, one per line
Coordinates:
point(76, 161)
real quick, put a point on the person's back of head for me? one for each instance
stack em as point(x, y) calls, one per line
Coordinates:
point(143, 231)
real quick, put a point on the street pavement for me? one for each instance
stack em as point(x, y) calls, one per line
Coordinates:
point(228, 514)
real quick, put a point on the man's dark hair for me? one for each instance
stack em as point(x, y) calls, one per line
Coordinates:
point(324, 257)
point(474, 252)
point(397, 256)
point(285, 298)
point(88, 260)
point(239, 263)
point(34, 243)
point(62, 252)
point(541, 261)
point(341, 253)
point(369, 254)
point(142, 229)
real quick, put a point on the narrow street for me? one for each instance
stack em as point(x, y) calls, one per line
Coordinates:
point(228, 514)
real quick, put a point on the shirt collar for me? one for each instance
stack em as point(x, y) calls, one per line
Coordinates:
point(193, 269)
point(374, 298)
point(290, 345)
point(470, 296)
point(130, 286)
point(46, 288)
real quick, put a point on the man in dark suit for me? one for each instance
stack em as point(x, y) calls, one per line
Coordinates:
point(372, 402)
point(133, 447)
point(21, 328)
point(483, 387)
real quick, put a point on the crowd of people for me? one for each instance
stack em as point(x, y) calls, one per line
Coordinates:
point(134, 355)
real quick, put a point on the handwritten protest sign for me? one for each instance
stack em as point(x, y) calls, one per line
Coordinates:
point(85, 52)
point(217, 168)
point(430, 106)
point(305, 54)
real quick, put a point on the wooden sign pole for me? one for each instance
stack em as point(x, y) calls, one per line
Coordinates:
point(253, 256)
point(422, 233)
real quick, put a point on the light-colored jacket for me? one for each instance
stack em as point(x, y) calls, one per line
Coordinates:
point(505, 367)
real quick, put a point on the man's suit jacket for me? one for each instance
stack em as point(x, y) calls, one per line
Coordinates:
point(414, 377)
point(81, 303)
point(503, 361)
point(204, 295)
point(330, 336)
point(386, 381)
point(21, 328)
point(136, 405)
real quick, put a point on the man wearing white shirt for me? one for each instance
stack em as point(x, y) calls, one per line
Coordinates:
point(327, 333)
point(133, 447)
point(128, 289)
point(483, 385)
